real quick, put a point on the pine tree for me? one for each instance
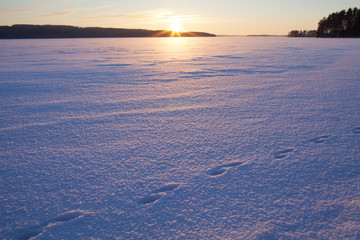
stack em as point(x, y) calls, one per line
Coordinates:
point(340, 24)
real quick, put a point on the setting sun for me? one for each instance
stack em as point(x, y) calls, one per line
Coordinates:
point(175, 27)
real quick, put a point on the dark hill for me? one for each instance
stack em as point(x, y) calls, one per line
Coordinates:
point(60, 31)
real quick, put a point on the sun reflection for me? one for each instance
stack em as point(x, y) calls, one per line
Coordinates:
point(176, 48)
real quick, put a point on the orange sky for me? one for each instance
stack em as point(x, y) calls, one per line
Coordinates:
point(235, 17)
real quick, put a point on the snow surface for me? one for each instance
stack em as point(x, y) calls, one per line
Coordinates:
point(187, 138)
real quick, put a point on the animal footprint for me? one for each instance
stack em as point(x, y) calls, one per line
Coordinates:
point(356, 130)
point(39, 229)
point(158, 193)
point(167, 188)
point(283, 153)
point(68, 216)
point(33, 232)
point(320, 139)
point(222, 169)
point(150, 199)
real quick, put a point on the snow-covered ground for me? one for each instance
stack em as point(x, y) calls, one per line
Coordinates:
point(191, 138)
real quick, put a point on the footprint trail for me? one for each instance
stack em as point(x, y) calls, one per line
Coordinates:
point(150, 199)
point(283, 153)
point(167, 188)
point(39, 229)
point(222, 169)
point(68, 216)
point(158, 193)
point(356, 130)
point(320, 139)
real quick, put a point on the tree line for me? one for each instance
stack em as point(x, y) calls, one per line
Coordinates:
point(340, 24)
point(345, 23)
point(304, 33)
point(61, 31)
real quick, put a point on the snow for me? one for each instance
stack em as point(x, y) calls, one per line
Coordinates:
point(186, 138)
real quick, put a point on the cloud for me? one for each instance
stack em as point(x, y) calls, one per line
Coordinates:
point(61, 13)
point(159, 18)
point(155, 16)
point(143, 15)
point(4, 10)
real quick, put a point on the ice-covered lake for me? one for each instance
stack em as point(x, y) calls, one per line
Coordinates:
point(180, 138)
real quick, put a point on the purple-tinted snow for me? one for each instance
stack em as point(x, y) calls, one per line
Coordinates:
point(187, 138)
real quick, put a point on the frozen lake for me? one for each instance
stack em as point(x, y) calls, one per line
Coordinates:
point(180, 138)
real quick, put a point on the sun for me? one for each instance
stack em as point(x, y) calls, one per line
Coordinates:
point(175, 27)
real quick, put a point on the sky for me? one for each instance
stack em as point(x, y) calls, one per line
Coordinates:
point(228, 17)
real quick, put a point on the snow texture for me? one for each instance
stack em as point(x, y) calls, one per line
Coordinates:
point(187, 138)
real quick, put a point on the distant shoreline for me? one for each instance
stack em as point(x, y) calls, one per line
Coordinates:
point(265, 35)
point(251, 35)
point(26, 31)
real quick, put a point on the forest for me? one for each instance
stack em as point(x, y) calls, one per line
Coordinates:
point(61, 31)
point(340, 24)
point(304, 33)
point(345, 23)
